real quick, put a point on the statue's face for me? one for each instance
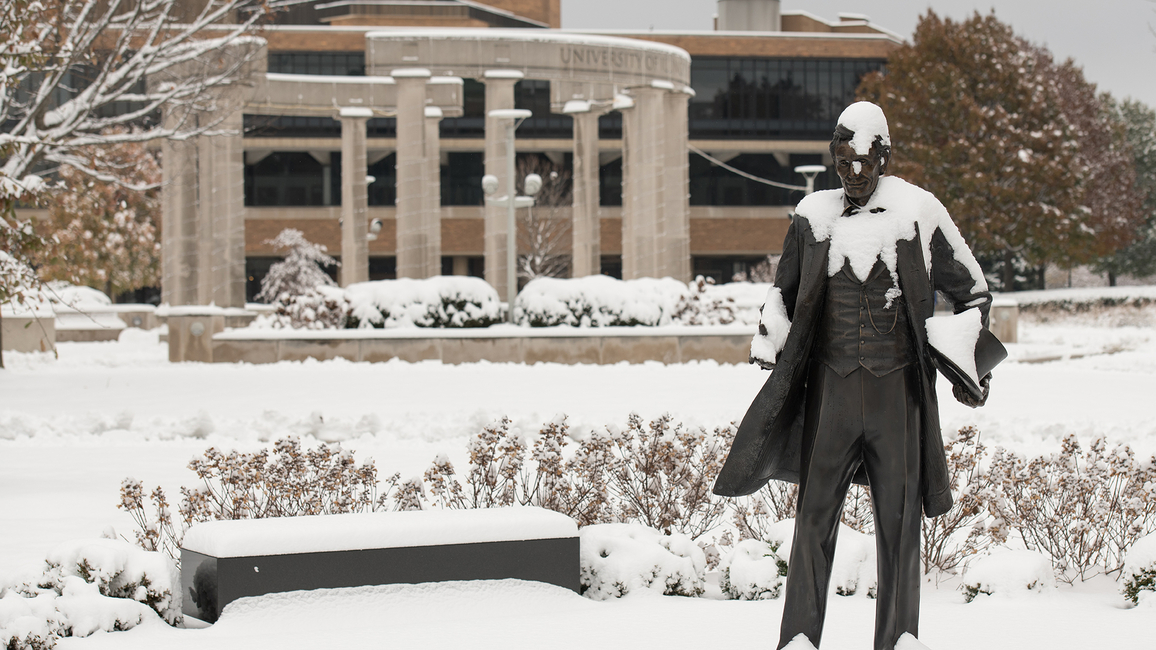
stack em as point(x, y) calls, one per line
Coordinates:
point(859, 174)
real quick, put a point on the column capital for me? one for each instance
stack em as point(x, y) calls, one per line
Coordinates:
point(504, 75)
point(355, 112)
point(410, 73)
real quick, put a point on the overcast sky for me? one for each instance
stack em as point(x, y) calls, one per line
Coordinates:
point(1111, 39)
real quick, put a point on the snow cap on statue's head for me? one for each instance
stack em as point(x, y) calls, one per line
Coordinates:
point(866, 121)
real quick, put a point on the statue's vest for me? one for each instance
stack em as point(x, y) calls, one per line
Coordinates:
point(861, 327)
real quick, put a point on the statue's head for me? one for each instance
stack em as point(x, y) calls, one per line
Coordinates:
point(861, 150)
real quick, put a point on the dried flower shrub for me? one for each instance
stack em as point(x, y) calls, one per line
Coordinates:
point(969, 519)
point(659, 474)
point(288, 482)
point(1081, 511)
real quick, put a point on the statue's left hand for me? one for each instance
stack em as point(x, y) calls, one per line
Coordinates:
point(966, 398)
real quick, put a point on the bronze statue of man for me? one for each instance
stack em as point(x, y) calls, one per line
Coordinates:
point(852, 394)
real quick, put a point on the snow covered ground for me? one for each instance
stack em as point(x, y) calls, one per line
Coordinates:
point(71, 429)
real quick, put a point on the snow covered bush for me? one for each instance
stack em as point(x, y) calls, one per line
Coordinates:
point(1139, 573)
point(318, 308)
point(288, 482)
point(617, 559)
point(752, 571)
point(442, 301)
point(89, 586)
point(968, 528)
point(700, 306)
point(1082, 510)
point(301, 270)
point(305, 296)
point(659, 474)
point(599, 301)
point(1008, 572)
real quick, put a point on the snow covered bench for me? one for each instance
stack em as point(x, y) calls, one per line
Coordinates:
point(222, 561)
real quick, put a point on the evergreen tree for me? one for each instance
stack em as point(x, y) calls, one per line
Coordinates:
point(301, 270)
point(977, 121)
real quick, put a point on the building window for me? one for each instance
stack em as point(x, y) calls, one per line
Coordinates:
point(461, 178)
point(293, 178)
point(741, 97)
point(383, 189)
point(610, 182)
point(472, 123)
point(531, 94)
point(326, 63)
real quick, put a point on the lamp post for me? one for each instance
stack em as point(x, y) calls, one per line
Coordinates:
point(809, 173)
point(514, 117)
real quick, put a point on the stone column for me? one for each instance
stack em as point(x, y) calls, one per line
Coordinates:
point(354, 196)
point(586, 225)
point(499, 94)
point(412, 172)
point(179, 223)
point(676, 191)
point(221, 216)
point(432, 193)
point(644, 156)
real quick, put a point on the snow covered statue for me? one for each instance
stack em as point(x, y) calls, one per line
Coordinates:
point(852, 395)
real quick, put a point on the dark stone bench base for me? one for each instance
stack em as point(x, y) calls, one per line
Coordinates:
point(209, 583)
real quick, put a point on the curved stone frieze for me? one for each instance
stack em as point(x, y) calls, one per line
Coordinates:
point(299, 94)
point(538, 53)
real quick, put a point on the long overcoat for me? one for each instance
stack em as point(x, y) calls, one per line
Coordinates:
point(928, 255)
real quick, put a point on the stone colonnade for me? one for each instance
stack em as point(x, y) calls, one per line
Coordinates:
point(204, 236)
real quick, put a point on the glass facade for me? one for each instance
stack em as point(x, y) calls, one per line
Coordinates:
point(289, 178)
point(530, 94)
point(759, 98)
point(326, 63)
point(711, 184)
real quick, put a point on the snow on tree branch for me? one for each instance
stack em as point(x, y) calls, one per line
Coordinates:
point(72, 70)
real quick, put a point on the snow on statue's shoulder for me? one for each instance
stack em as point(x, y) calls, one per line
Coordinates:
point(868, 122)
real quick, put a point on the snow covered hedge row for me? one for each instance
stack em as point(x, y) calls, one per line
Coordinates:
point(603, 301)
point(89, 586)
point(459, 301)
point(443, 301)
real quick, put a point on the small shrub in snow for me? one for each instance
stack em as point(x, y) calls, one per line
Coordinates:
point(598, 301)
point(967, 529)
point(300, 272)
point(289, 482)
point(318, 308)
point(702, 307)
point(617, 559)
point(305, 296)
point(1139, 573)
point(443, 301)
point(89, 586)
point(1007, 572)
point(753, 571)
point(659, 474)
point(1082, 510)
